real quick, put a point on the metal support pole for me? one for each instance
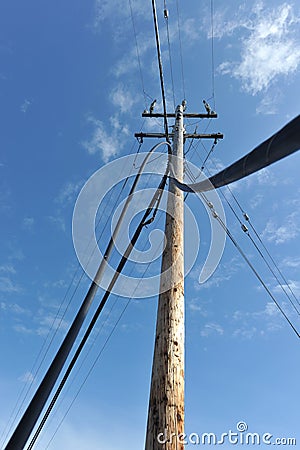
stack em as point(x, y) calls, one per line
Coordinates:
point(166, 406)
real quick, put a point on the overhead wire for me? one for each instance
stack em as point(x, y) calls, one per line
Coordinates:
point(141, 277)
point(160, 66)
point(103, 324)
point(248, 220)
point(33, 410)
point(56, 324)
point(283, 287)
point(138, 54)
point(180, 49)
point(166, 15)
point(143, 222)
point(247, 260)
point(212, 54)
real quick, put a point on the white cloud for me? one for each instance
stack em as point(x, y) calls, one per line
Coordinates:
point(28, 222)
point(6, 285)
point(27, 378)
point(196, 306)
point(58, 222)
point(117, 10)
point(257, 323)
point(122, 98)
point(212, 328)
point(25, 105)
point(19, 328)
point(224, 273)
point(12, 307)
point(108, 144)
point(50, 321)
point(268, 105)
point(269, 49)
point(279, 234)
point(7, 268)
point(293, 262)
point(293, 285)
point(69, 192)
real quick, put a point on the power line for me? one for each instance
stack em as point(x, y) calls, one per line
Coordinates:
point(166, 15)
point(144, 221)
point(245, 229)
point(180, 49)
point(138, 54)
point(38, 401)
point(212, 53)
point(87, 376)
point(160, 69)
point(242, 253)
point(108, 338)
point(247, 218)
point(26, 389)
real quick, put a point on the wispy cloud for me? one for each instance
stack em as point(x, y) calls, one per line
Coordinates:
point(279, 234)
point(198, 307)
point(122, 99)
point(212, 328)
point(268, 105)
point(292, 261)
point(69, 192)
point(223, 274)
point(25, 105)
point(8, 286)
point(27, 377)
point(106, 142)
point(7, 268)
point(292, 284)
point(270, 48)
point(116, 11)
point(50, 321)
point(28, 223)
point(12, 307)
point(257, 323)
point(58, 221)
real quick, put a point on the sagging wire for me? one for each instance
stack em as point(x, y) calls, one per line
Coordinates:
point(242, 253)
point(107, 339)
point(153, 206)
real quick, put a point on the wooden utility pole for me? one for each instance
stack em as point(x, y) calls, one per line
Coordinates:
point(166, 406)
point(165, 427)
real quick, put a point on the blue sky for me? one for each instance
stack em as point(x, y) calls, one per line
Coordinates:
point(71, 100)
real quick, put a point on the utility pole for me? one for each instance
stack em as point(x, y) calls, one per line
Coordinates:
point(165, 427)
point(166, 406)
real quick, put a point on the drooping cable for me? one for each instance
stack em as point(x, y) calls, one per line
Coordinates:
point(144, 221)
point(247, 260)
point(106, 341)
point(27, 422)
point(87, 375)
point(280, 145)
point(283, 287)
point(257, 275)
point(57, 320)
point(251, 225)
